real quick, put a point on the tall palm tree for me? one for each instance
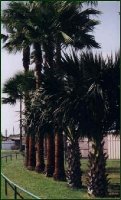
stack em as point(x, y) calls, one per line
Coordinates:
point(16, 88)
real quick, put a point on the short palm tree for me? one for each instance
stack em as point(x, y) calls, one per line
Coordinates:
point(16, 88)
point(102, 109)
point(16, 41)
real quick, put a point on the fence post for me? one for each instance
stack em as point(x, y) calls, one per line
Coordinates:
point(16, 155)
point(11, 156)
point(6, 158)
point(6, 187)
point(15, 192)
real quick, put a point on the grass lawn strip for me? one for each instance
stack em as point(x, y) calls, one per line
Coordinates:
point(47, 188)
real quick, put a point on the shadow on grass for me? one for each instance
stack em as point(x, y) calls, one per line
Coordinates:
point(113, 170)
point(114, 190)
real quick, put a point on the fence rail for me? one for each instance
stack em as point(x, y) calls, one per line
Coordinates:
point(15, 186)
point(11, 156)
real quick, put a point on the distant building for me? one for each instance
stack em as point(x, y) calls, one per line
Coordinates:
point(13, 142)
point(7, 145)
point(4, 138)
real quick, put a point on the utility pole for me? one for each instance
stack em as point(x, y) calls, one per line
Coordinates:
point(6, 133)
point(20, 124)
point(13, 130)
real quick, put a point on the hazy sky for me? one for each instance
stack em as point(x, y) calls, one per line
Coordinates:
point(107, 34)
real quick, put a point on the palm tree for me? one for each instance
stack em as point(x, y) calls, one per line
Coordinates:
point(102, 109)
point(16, 88)
point(16, 41)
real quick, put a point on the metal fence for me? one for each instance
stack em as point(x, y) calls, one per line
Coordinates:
point(111, 147)
point(14, 186)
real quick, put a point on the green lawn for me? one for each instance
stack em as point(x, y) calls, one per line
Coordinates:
point(47, 188)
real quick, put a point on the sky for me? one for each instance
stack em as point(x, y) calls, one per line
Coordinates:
point(107, 34)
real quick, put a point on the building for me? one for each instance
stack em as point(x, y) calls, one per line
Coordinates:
point(13, 142)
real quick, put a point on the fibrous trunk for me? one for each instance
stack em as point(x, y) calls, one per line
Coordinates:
point(38, 63)
point(27, 150)
point(50, 164)
point(49, 53)
point(39, 143)
point(31, 161)
point(40, 165)
point(59, 173)
point(97, 176)
point(26, 62)
point(73, 160)
point(26, 58)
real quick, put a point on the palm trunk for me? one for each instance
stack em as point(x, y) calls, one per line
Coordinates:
point(40, 166)
point(27, 151)
point(73, 159)
point(40, 144)
point(26, 62)
point(49, 53)
point(97, 177)
point(50, 155)
point(31, 161)
point(45, 147)
point(59, 173)
point(58, 53)
point(26, 58)
point(38, 63)
point(26, 128)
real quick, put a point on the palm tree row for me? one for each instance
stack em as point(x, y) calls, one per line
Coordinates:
point(76, 100)
point(46, 27)
point(67, 89)
point(84, 107)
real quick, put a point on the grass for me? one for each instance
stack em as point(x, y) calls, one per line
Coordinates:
point(47, 188)
point(8, 152)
